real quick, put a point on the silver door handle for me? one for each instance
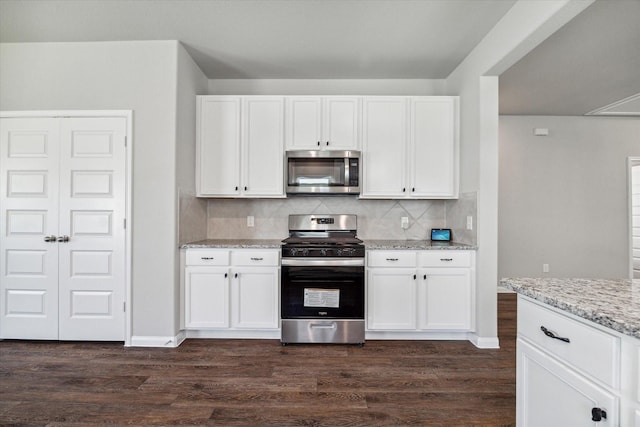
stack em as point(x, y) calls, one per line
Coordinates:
point(50, 238)
point(63, 238)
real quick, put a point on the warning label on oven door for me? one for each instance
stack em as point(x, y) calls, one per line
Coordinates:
point(314, 297)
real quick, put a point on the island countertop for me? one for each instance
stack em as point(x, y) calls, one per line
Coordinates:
point(614, 304)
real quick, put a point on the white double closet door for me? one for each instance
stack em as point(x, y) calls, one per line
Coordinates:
point(62, 266)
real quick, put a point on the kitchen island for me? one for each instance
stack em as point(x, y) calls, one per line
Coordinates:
point(578, 351)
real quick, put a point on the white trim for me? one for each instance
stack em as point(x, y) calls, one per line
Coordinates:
point(631, 162)
point(158, 341)
point(234, 333)
point(128, 115)
point(602, 111)
point(484, 342)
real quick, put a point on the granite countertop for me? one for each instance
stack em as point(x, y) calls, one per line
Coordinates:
point(416, 245)
point(234, 243)
point(614, 304)
point(369, 244)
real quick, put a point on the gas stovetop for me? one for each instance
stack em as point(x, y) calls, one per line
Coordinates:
point(322, 236)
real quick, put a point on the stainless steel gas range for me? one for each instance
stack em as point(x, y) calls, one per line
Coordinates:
point(322, 283)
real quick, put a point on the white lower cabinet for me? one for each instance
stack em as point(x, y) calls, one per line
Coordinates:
point(588, 377)
point(418, 291)
point(445, 295)
point(550, 394)
point(232, 293)
point(391, 298)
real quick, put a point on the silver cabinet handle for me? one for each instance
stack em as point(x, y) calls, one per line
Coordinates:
point(63, 238)
point(392, 259)
point(50, 238)
point(207, 258)
point(446, 259)
point(256, 259)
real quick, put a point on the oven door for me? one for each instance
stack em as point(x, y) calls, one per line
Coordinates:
point(322, 288)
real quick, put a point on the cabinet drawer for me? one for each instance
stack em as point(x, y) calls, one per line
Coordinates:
point(257, 258)
point(438, 258)
point(207, 257)
point(591, 350)
point(391, 258)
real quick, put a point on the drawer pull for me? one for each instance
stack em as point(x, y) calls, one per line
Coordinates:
point(256, 259)
point(392, 259)
point(553, 335)
point(207, 258)
point(446, 259)
point(598, 414)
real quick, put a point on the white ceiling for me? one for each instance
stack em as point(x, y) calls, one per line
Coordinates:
point(587, 64)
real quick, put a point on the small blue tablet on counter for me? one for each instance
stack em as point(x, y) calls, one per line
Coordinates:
point(441, 234)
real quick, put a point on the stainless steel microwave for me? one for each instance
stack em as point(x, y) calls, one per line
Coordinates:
point(322, 172)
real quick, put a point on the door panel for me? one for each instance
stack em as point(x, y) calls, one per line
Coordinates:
point(28, 213)
point(384, 146)
point(92, 207)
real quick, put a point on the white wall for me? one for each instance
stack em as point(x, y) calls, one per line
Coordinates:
point(138, 76)
point(564, 197)
point(525, 25)
point(326, 87)
point(190, 211)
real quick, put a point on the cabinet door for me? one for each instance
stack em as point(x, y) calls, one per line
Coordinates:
point(550, 394)
point(29, 152)
point(444, 298)
point(384, 146)
point(340, 123)
point(263, 146)
point(206, 297)
point(433, 147)
point(304, 122)
point(218, 146)
point(255, 298)
point(391, 299)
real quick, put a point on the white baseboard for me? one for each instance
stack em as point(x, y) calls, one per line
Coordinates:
point(484, 342)
point(158, 341)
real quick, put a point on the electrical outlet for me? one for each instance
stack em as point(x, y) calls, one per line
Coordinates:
point(404, 222)
point(545, 268)
point(250, 221)
point(469, 222)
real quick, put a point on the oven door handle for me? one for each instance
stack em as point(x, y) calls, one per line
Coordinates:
point(323, 262)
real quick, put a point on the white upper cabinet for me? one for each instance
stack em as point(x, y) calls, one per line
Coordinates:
point(433, 146)
point(262, 147)
point(409, 144)
point(410, 147)
point(218, 146)
point(323, 123)
point(240, 144)
point(384, 123)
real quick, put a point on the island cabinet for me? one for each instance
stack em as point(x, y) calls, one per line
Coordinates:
point(410, 147)
point(573, 372)
point(239, 149)
point(420, 294)
point(323, 123)
point(231, 293)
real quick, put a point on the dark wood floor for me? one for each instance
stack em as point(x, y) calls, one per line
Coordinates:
point(261, 383)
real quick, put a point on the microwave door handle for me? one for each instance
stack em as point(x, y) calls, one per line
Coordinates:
point(346, 172)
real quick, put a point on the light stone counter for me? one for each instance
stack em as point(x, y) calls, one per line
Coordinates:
point(614, 304)
point(416, 245)
point(234, 244)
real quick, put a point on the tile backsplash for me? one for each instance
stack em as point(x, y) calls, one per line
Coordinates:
point(377, 219)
